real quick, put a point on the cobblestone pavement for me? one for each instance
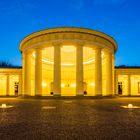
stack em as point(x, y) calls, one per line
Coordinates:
point(69, 119)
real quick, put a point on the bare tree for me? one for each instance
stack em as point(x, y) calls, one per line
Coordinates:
point(5, 64)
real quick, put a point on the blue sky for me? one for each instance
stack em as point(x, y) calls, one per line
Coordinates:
point(118, 18)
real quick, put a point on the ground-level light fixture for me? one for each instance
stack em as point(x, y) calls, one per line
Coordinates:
point(4, 106)
point(130, 106)
point(49, 107)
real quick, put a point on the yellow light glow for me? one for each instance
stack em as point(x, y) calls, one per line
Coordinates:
point(44, 84)
point(68, 48)
point(49, 107)
point(72, 85)
point(68, 64)
point(88, 62)
point(65, 64)
point(92, 84)
point(62, 85)
point(102, 54)
point(47, 61)
point(130, 106)
point(3, 105)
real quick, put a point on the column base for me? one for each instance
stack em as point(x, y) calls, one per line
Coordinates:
point(98, 95)
point(57, 95)
point(38, 95)
point(109, 95)
point(80, 95)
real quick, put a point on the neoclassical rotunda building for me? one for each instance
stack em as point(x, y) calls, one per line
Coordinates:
point(69, 62)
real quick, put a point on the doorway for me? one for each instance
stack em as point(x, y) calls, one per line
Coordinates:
point(120, 88)
point(16, 86)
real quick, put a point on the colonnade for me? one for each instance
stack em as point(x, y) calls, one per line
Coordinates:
point(129, 81)
point(8, 84)
point(57, 72)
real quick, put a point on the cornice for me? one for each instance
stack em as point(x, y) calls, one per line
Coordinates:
point(66, 34)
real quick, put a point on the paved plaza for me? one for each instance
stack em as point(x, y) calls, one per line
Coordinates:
point(74, 119)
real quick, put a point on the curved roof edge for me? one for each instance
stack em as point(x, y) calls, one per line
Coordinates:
point(62, 29)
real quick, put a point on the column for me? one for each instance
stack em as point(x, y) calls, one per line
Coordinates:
point(7, 85)
point(38, 72)
point(129, 85)
point(22, 73)
point(19, 85)
point(113, 75)
point(27, 74)
point(98, 72)
point(79, 70)
point(109, 76)
point(116, 84)
point(57, 70)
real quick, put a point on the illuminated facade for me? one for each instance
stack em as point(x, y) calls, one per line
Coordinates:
point(10, 81)
point(69, 62)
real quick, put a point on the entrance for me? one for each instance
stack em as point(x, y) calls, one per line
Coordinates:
point(16, 88)
point(120, 88)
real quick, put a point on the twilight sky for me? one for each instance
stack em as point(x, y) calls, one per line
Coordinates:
point(118, 18)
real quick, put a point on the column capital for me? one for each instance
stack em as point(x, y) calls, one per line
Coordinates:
point(80, 44)
point(98, 48)
point(57, 44)
point(38, 49)
point(108, 53)
point(27, 52)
